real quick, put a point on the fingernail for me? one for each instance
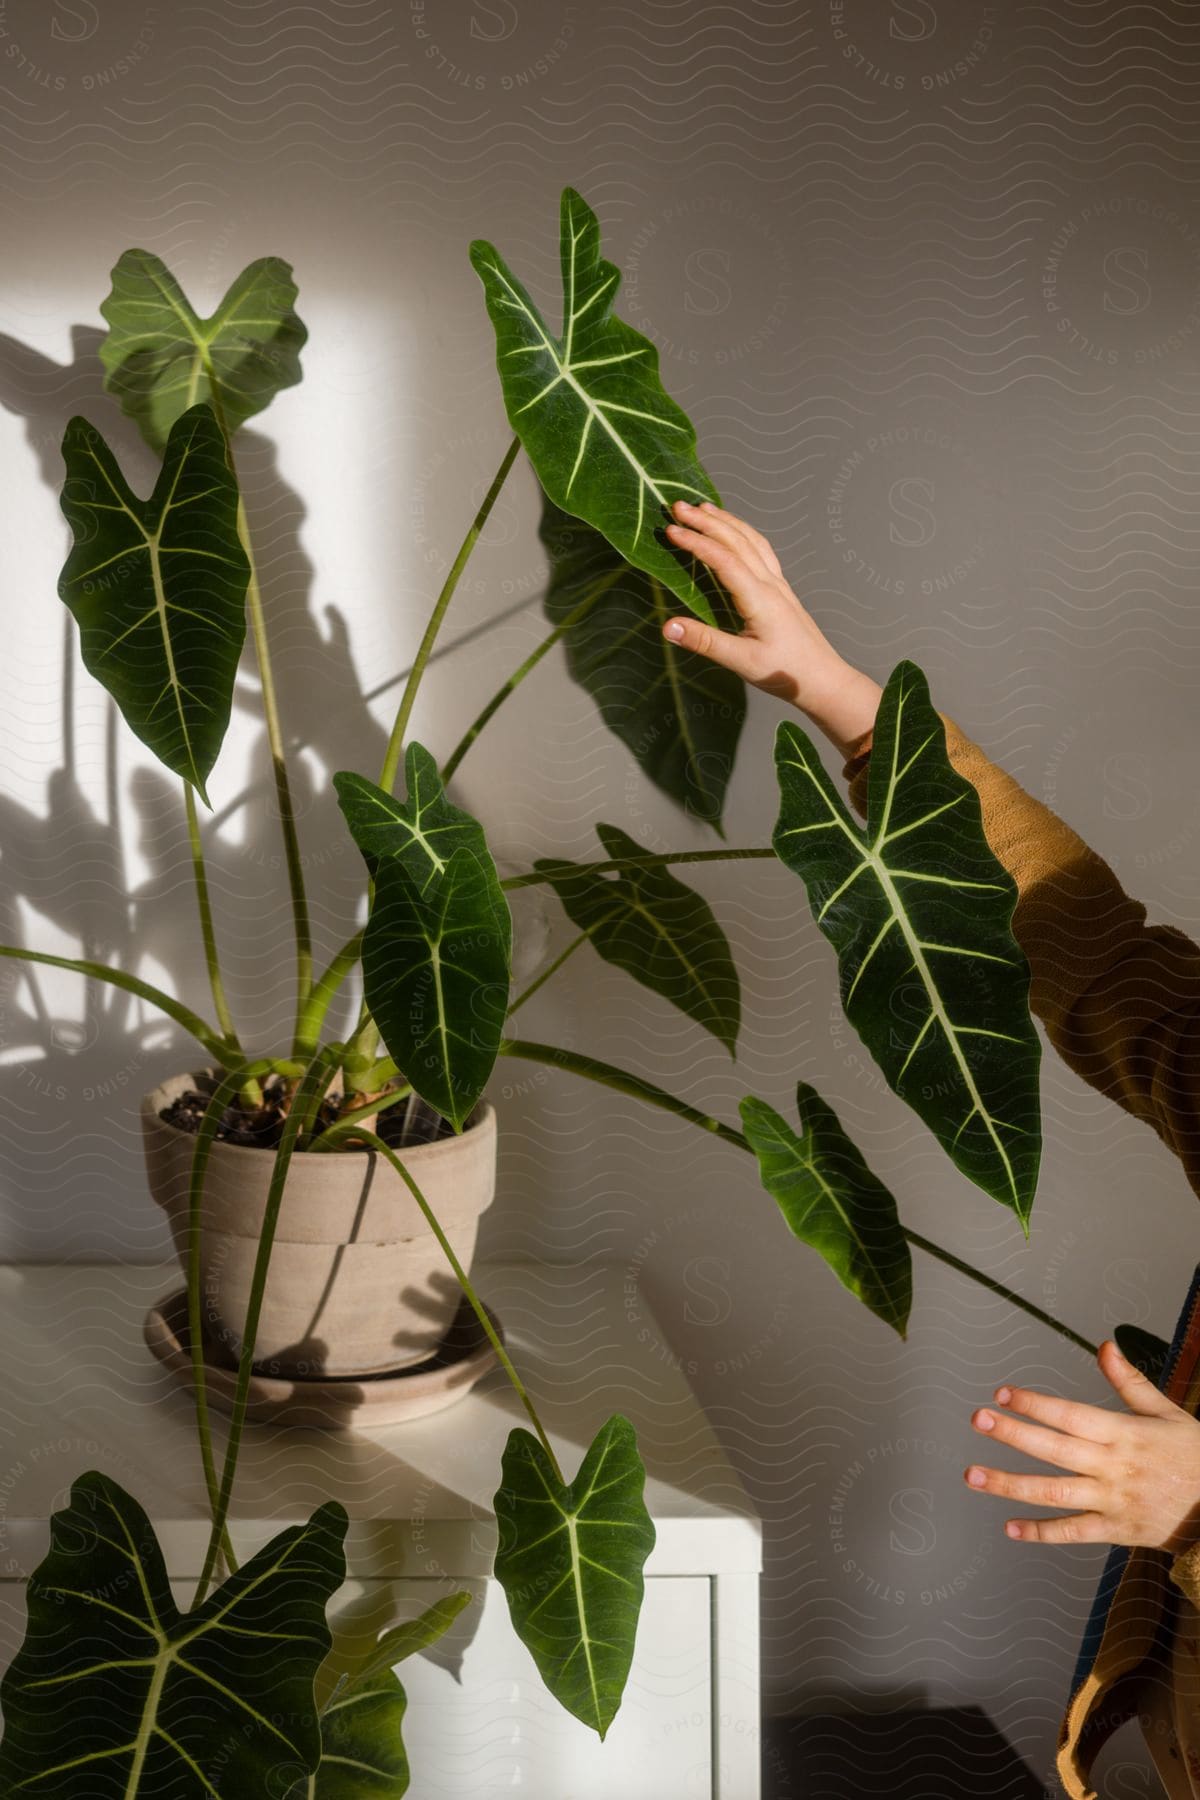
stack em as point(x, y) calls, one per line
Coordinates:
point(1003, 1396)
point(707, 506)
point(976, 1477)
point(688, 505)
point(1013, 1529)
point(673, 630)
point(984, 1420)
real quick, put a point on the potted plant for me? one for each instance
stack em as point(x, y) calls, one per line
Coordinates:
point(311, 1187)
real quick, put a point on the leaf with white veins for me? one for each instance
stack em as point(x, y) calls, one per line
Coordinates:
point(605, 438)
point(158, 588)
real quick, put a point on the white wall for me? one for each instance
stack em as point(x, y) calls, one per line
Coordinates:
point(840, 223)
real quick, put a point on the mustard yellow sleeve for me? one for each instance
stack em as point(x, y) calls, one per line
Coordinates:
point(1185, 1573)
point(1120, 999)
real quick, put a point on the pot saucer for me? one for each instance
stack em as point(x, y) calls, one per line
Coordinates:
point(391, 1397)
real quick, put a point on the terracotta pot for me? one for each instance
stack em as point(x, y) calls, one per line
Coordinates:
point(357, 1281)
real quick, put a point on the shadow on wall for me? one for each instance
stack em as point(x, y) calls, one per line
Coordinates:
point(942, 1754)
point(69, 866)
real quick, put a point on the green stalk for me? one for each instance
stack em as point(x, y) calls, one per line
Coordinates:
point(996, 1287)
point(531, 662)
point(312, 1013)
point(365, 1042)
point(224, 1016)
point(395, 749)
point(625, 1083)
point(204, 1033)
point(283, 792)
point(345, 1125)
point(210, 1124)
point(266, 1239)
point(553, 969)
point(464, 1281)
point(556, 871)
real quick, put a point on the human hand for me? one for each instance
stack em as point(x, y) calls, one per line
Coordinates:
point(1135, 1476)
point(780, 649)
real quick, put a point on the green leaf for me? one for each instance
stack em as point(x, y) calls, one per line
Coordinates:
point(659, 931)
point(919, 911)
point(570, 1563)
point(422, 831)
point(158, 588)
point(362, 1750)
point(116, 1695)
point(160, 357)
point(677, 713)
point(606, 440)
point(437, 948)
point(436, 965)
point(833, 1202)
point(414, 1635)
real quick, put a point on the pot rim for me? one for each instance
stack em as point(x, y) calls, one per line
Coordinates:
point(482, 1117)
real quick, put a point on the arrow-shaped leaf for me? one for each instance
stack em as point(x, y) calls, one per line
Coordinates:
point(570, 1562)
point(833, 1202)
point(679, 714)
point(160, 357)
point(662, 933)
point(116, 1695)
point(919, 911)
point(606, 440)
point(436, 962)
point(158, 587)
point(362, 1750)
point(422, 831)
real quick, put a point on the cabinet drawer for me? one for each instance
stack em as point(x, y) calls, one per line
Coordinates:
point(479, 1722)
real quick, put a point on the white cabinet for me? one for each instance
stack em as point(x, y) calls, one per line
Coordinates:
point(83, 1392)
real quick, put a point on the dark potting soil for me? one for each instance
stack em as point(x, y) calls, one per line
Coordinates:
point(263, 1129)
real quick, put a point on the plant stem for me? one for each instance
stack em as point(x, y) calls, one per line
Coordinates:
point(345, 1126)
point(553, 969)
point(266, 1239)
point(464, 1281)
point(997, 1287)
point(395, 749)
point(210, 1124)
point(531, 662)
point(365, 1041)
point(556, 871)
point(224, 1016)
point(312, 1014)
point(283, 791)
point(625, 1083)
point(204, 1033)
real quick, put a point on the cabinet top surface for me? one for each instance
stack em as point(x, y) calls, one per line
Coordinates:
point(82, 1391)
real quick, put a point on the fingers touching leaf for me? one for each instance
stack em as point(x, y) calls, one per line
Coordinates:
point(608, 443)
point(158, 588)
point(919, 911)
point(833, 1202)
point(679, 714)
point(570, 1562)
point(160, 357)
